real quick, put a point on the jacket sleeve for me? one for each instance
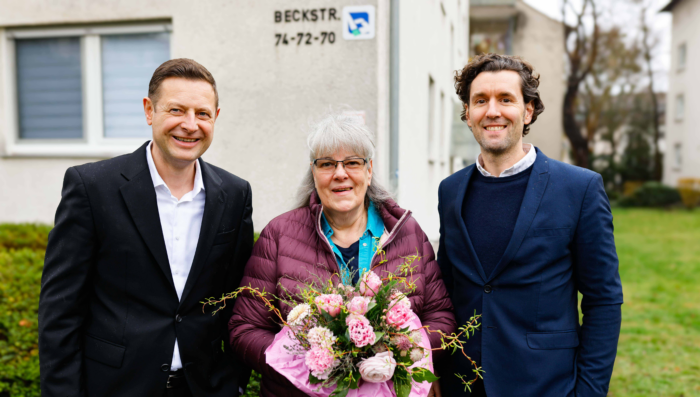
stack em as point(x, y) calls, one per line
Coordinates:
point(598, 280)
point(69, 261)
point(442, 259)
point(244, 246)
point(438, 312)
point(252, 327)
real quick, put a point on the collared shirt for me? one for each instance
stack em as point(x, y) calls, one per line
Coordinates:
point(181, 221)
point(368, 243)
point(520, 166)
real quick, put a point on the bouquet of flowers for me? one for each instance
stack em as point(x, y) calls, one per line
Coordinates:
point(342, 340)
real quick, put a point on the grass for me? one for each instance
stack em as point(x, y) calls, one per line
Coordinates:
point(659, 349)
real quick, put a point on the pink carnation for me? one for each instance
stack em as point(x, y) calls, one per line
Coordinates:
point(330, 303)
point(361, 333)
point(398, 297)
point(359, 305)
point(320, 362)
point(370, 283)
point(398, 315)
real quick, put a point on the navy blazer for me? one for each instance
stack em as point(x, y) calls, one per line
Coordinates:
point(531, 341)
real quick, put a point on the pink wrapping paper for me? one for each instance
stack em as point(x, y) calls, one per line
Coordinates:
point(294, 368)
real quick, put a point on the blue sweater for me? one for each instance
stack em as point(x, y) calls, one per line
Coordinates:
point(490, 210)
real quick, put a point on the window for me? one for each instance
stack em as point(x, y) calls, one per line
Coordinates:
point(681, 56)
point(431, 120)
point(680, 107)
point(78, 92)
point(677, 156)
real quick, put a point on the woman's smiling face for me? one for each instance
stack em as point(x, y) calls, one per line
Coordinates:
point(342, 191)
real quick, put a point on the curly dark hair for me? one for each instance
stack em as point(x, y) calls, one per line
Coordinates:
point(494, 63)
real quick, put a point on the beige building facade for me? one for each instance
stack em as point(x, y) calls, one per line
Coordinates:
point(682, 154)
point(72, 75)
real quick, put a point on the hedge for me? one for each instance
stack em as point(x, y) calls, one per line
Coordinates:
point(22, 249)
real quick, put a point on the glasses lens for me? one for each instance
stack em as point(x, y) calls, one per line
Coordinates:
point(354, 164)
point(325, 165)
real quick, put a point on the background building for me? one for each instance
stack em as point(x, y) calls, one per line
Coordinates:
point(72, 75)
point(682, 154)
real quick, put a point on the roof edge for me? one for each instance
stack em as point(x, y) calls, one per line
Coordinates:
point(669, 6)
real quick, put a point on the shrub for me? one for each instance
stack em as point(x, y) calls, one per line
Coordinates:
point(24, 235)
point(20, 281)
point(689, 190)
point(652, 194)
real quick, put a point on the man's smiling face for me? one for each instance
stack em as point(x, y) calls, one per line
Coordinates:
point(182, 119)
point(496, 111)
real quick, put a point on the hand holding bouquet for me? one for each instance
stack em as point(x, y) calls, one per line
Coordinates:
point(339, 340)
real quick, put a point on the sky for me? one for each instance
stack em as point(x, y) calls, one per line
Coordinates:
point(625, 13)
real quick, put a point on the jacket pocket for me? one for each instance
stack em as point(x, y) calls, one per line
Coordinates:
point(551, 232)
point(552, 340)
point(224, 238)
point(104, 352)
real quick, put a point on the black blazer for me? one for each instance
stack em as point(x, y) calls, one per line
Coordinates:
point(108, 310)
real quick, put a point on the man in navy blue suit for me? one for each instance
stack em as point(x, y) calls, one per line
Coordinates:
point(520, 236)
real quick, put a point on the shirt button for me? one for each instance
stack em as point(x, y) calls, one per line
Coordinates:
point(364, 244)
point(177, 238)
point(178, 318)
point(165, 367)
point(488, 289)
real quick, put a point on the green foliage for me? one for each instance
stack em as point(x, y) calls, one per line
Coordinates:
point(652, 194)
point(24, 235)
point(21, 262)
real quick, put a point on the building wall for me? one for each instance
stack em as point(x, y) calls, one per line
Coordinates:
point(540, 41)
point(268, 93)
point(433, 44)
point(683, 81)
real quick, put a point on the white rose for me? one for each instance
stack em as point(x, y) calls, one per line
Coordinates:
point(298, 314)
point(379, 368)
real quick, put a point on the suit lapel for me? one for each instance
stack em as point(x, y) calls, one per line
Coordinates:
point(140, 198)
point(457, 216)
point(214, 205)
point(536, 186)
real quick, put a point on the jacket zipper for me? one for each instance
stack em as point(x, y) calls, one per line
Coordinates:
point(392, 235)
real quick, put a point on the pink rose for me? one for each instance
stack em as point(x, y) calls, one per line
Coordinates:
point(359, 305)
point(398, 315)
point(361, 333)
point(356, 318)
point(320, 362)
point(379, 368)
point(398, 297)
point(330, 303)
point(370, 283)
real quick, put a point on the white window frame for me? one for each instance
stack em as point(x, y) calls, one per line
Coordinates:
point(679, 111)
point(682, 56)
point(93, 144)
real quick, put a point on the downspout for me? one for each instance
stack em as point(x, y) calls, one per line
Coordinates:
point(394, 96)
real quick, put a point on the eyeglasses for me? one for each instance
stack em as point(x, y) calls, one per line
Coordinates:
point(328, 166)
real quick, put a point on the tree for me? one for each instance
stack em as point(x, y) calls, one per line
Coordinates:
point(581, 50)
point(648, 43)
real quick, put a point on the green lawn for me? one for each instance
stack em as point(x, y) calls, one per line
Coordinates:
point(659, 350)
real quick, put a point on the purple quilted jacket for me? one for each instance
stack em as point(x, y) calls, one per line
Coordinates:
point(292, 248)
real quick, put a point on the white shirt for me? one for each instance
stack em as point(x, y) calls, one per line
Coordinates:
point(520, 166)
point(181, 221)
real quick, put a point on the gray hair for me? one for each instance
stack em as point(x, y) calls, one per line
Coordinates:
point(336, 132)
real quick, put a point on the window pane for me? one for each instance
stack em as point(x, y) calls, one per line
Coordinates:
point(49, 88)
point(128, 62)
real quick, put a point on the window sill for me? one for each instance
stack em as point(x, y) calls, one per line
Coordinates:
point(70, 150)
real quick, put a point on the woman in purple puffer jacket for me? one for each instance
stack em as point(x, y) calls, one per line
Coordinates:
point(333, 234)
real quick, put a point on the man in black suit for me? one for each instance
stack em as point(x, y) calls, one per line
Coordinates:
point(139, 241)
